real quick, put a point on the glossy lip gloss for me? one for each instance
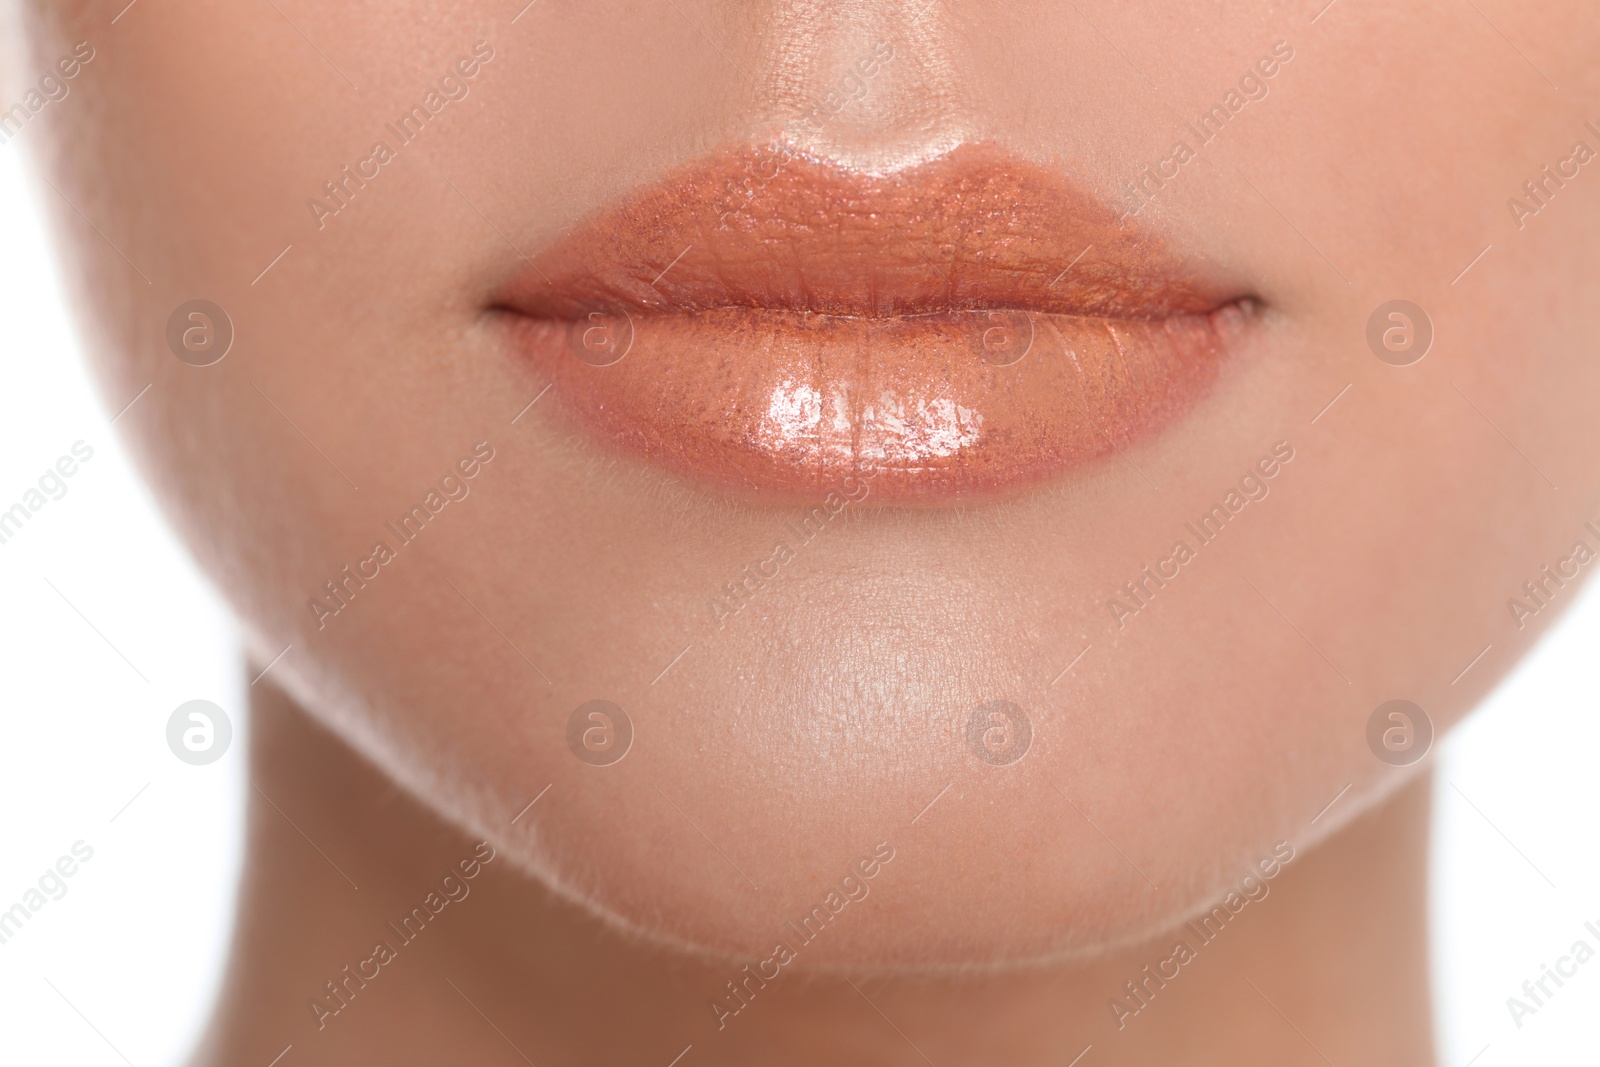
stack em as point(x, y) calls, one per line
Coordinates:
point(770, 323)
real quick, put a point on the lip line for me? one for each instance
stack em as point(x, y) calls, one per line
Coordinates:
point(508, 299)
point(1248, 301)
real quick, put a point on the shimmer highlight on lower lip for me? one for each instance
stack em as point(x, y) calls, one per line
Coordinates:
point(933, 407)
point(771, 323)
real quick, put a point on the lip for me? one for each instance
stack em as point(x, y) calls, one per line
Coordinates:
point(771, 323)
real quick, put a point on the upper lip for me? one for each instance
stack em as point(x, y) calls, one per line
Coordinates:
point(771, 227)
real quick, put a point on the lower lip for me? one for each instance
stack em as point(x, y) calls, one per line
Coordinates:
point(931, 409)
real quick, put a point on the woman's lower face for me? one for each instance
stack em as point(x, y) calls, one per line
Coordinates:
point(981, 470)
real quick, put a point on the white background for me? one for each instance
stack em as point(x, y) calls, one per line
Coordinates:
point(106, 627)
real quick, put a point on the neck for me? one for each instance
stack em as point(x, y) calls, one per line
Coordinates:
point(1330, 967)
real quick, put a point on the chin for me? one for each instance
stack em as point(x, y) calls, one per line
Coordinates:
point(829, 801)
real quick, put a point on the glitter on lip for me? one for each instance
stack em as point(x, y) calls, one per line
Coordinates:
point(784, 323)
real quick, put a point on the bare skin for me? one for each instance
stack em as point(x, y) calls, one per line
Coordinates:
point(510, 974)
